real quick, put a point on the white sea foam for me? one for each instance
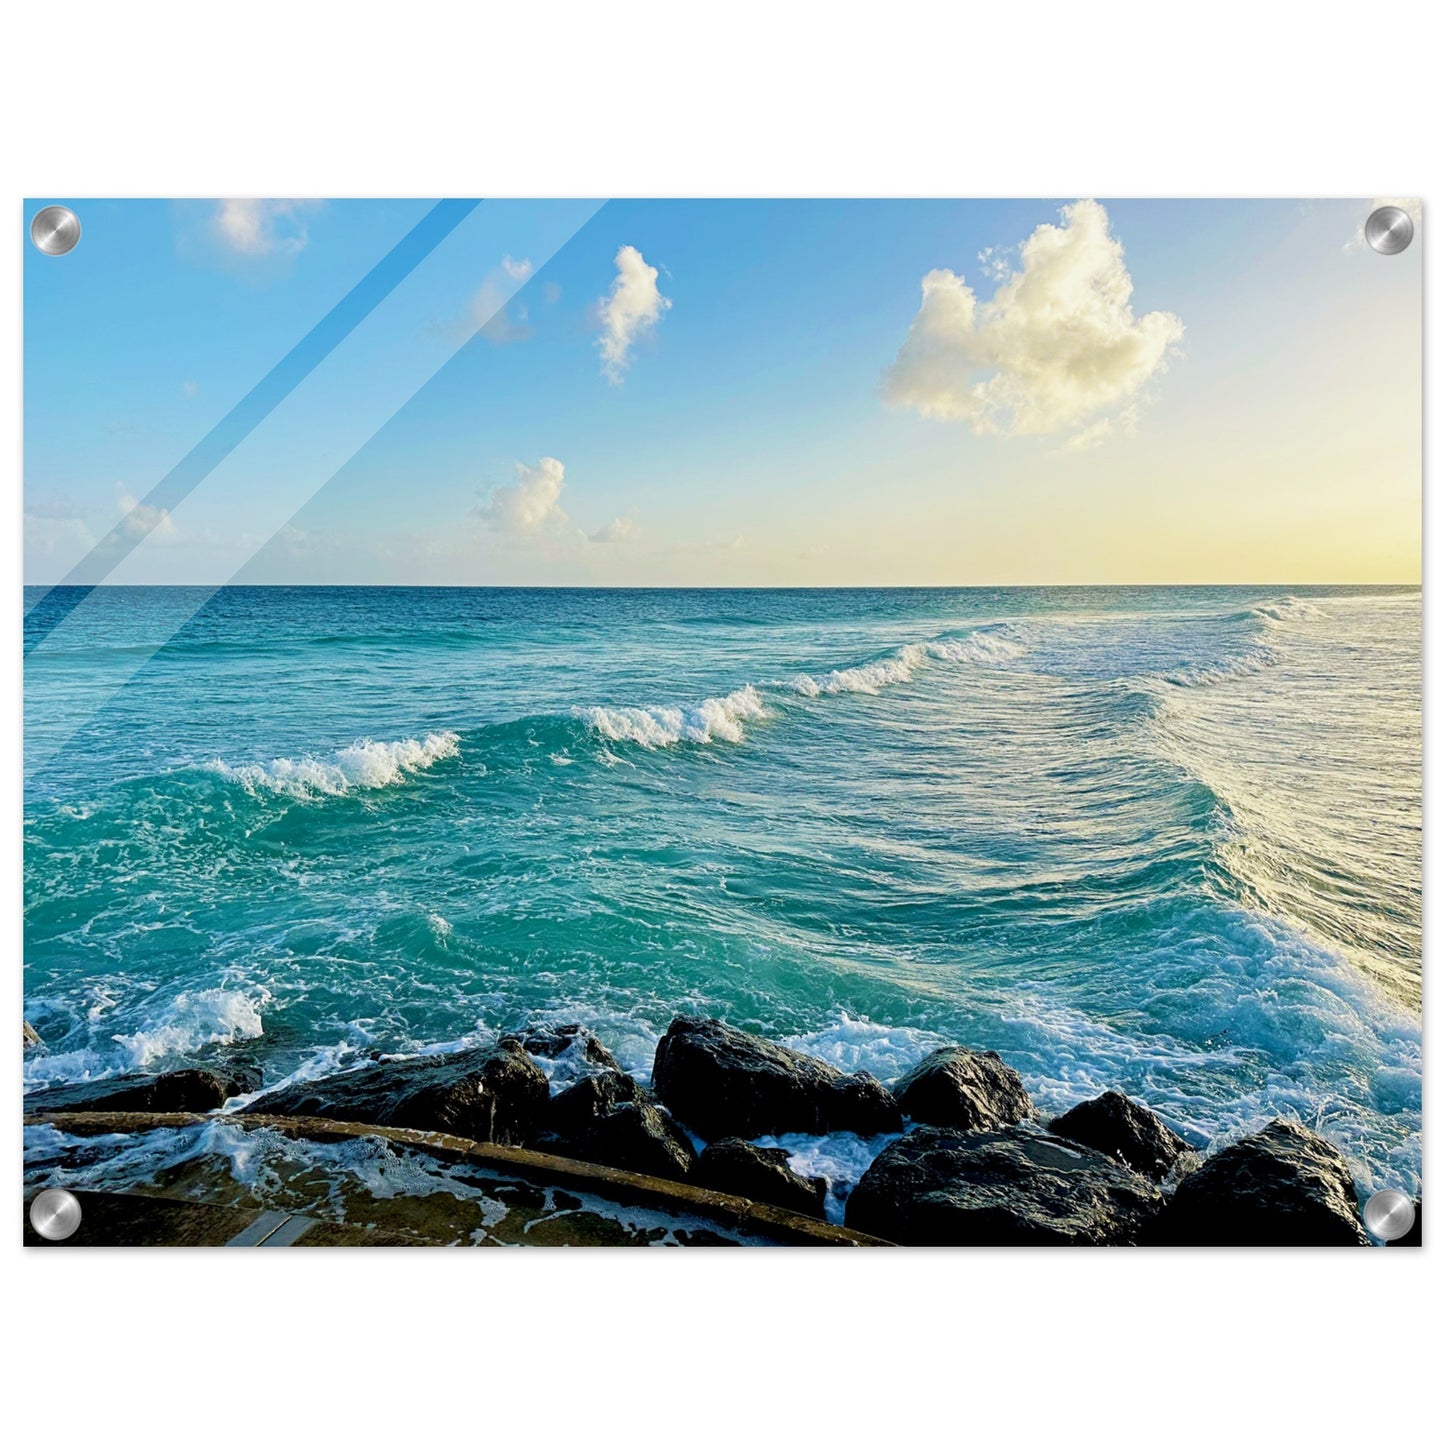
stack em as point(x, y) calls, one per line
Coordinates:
point(840, 1159)
point(1288, 609)
point(867, 677)
point(210, 1016)
point(1256, 660)
point(1261, 1023)
point(365, 764)
point(986, 646)
point(887, 1051)
point(190, 1021)
point(715, 719)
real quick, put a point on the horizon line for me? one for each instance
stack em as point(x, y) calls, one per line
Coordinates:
point(1417, 584)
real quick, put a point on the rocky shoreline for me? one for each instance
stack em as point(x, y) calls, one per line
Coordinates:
point(967, 1159)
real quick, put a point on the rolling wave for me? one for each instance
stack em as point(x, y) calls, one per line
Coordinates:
point(365, 764)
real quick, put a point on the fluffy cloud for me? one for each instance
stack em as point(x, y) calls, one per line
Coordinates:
point(630, 310)
point(1056, 346)
point(531, 505)
point(619, 529)
point(1409, 204)
point(260, 228)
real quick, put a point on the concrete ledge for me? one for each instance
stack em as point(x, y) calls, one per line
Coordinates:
point(621, 1186)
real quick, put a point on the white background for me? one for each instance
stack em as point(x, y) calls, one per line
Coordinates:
point(903, 99)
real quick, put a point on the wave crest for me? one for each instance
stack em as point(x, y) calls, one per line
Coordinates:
point(715, 719)
point(365, 764)
point(1287, 609)
point(867, 677)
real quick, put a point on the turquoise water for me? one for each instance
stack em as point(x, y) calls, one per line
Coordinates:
point(1166, 840)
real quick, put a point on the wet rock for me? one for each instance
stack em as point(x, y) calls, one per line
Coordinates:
point(184, 1091)
point(946, 1186)
point(1115, 1125)
point(495, 1095)
point(609, 1118)
point(30, 1036)
point(1284, 1185)
point(957, 1088)
point(722, 1082)
point(576, 1041)
point(734, 1166)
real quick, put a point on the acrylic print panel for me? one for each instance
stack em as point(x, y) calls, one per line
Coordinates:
point(722, 722)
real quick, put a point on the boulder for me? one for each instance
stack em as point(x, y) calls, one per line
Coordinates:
point(31, 1038)
point(947, 1186)
point(1284, 1185)
point(1115, 1125)
point(722, 1082)
point(495, 1094)
point(184, 1091)
point(576, 1041)
point(957, 1088)
point(733, 1166)
point(609, 1118)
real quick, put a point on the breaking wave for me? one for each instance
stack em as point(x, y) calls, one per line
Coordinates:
point(191, 1021)
point(988, 645)
point(365, 764)
point(714, 719)
point(721, 719)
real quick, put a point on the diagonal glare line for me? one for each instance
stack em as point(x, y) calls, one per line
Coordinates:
point(190, 600)
point(254, 408)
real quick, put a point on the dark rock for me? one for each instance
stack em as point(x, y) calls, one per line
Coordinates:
point(551, 1041)
point(609, 1118)
point(1284, 1185)
point(1115, 1125)
point(495, 1095)
point(30, 1036)
point(733, 1166)
point(944, 1186)
point(958, 1088)
point(723, 1082)
point(185, 1091)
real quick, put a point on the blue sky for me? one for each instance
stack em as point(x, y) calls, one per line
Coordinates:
point(1233, 396)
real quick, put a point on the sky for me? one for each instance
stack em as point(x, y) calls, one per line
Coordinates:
point(730, 393)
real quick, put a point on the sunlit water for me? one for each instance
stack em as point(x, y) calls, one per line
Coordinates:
point(1166, 840)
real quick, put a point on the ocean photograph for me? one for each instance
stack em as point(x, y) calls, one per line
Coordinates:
point(642, 740)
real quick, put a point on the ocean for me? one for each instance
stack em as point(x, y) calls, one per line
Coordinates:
point(1165, 840)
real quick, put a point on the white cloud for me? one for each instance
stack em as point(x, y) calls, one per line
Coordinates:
point(630, 310)
point(1057, 345)
point(260, 228)
point(532, 505)
point(517, 270)
point(619, 529)
point(189, 389)
point(1409, 204)
point(139, 521)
